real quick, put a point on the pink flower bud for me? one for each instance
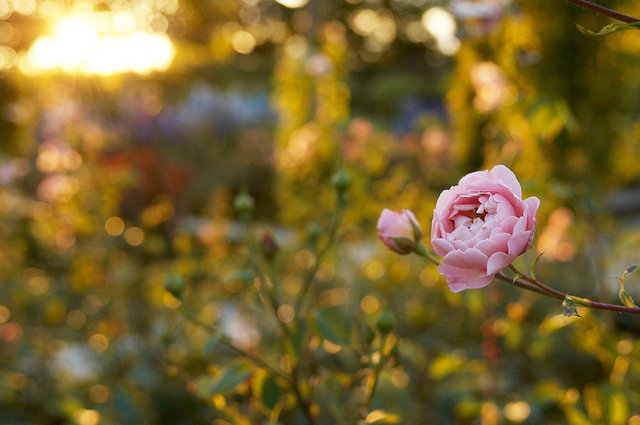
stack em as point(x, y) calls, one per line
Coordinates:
point(399, 230)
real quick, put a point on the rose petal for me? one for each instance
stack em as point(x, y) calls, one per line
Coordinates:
point(441, 246)
point(460, 279)
point(497, 262)
point(469, 259)
point(506, 176)
point(474, 177)
point(497, 242)
point(517, 243)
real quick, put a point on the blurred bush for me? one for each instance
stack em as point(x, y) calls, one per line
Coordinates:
point(110, 184)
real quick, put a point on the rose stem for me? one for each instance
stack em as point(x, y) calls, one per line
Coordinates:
point(529, 282)
point(603, 10)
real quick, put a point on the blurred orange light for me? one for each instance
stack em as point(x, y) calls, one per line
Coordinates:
point(134, 236)
point(5, 314)
point(114, 226)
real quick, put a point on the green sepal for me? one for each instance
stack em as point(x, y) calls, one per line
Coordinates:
point(417, 232)
point(403, 245)
point(608, 29)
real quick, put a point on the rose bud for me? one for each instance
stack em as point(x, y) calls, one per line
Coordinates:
point(399, 230)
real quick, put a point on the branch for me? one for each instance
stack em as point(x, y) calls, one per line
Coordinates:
point(604, 11)
point(531, 284)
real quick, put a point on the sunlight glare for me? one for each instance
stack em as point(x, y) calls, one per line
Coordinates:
point(82, 44)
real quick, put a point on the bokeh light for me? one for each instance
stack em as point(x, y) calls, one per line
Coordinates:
point(442, 26)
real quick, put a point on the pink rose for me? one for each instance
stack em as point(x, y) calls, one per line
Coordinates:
point(480, 226)
point(399, 230)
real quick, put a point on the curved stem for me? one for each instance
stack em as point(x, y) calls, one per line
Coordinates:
point(604, 11)
point(532, 284)
point(540, 288)
point(545, 288)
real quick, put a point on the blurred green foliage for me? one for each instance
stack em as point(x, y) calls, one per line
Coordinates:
point(112, 186)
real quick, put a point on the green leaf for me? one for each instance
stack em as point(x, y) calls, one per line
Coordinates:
point(334, 325)
point(569, 307)
point(626, 299)
point(246, 276)
point(532, 269)
point(271, 392)
point(229, 378)
point(617, 26)
point(295, 342)
point(629, 270)
point(211, 344)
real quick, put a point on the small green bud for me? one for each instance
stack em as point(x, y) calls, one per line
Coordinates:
point(174, 284)
point(386, 322)
point(314, 231)
point(244, 205)
point(341, 181)
point(167, 337)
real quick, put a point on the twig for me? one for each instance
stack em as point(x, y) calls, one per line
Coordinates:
point(535, 285)
point(531, 284)
point(229, 343)
point(604, 11)
point(311, 273)
point(375, 377)
point(268, 291)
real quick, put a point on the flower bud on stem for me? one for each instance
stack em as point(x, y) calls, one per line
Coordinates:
point(244, 205)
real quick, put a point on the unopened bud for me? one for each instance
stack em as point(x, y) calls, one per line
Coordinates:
point(341, 181)
point(268, 246)
point(244, 205)
point(386, 322)
point(167, 337)
point(399, 230)
point(314, 231)
point(174, 284)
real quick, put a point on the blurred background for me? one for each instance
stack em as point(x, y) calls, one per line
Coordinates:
point(127, 127)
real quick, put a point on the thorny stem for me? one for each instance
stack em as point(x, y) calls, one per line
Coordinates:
point(605, 11)
point(531, 284)
point(585, 302)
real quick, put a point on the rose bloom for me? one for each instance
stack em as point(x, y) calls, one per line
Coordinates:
point(399, 230)
point(480, 226)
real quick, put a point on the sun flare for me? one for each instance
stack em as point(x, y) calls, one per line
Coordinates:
point(102, 45)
